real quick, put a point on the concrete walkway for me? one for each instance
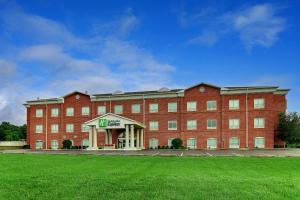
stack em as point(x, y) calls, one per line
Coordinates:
point(166, 152)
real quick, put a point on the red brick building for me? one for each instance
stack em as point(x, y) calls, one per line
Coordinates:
point(203, 116)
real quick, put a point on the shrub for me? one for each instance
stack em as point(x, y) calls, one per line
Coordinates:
point(67, 144)
point(26, 146)
point(177, 143)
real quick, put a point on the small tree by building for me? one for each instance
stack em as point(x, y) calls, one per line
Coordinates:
point(288, 129)
point(67, 144)
point(177, 143)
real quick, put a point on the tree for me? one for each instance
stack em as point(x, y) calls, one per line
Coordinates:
point(177, 143)
point(67, 144)
point(10, 132)
point(288, 128)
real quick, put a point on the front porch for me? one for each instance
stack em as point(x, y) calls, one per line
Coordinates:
point(121, 133)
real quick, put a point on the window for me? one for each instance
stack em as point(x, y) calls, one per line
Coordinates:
point(153, 143)
point(69, 128)
point(153, 125)
point(85, 143)
point(191, 124)
point(170, 142)
point(39, 113)
point(39, 144)
point(234, 124)
point(101, 110)
point(172, 107)
point(191, 143)
point(118, 109)
point(54, 128)
point(54, 112)
point(259, 123)
point(259, 142)
point(54, 144)
point(70, 111)
point(234, 143)
point(191, 106)
point(136, 108)
point(153, 107)
point(211, 105)
point(84, 128)
point(85, 110)
point(211, 143)
point(211, 124)
point(172, 125)
point(39, 128)
point(259, 103)
point(234, 104)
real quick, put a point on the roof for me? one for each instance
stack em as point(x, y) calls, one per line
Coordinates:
point(202, 83)
point(138, 93)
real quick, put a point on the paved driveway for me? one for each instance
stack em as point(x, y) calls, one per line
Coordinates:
point(166, 152)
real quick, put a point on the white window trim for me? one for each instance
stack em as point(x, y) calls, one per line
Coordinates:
point(83, 129)
point(153, 139)
point(191, 147)
point(172, 103)
point(68, 114)
point(39, 131)
point(56, 147)
point(230, 127)
point(210, 128)
point(98, 110)
point(234, 147)
point(39, 111)
point(191, 128)
point(152, 110)
point(85, 108)
point(234, 100)
point(261, 147)
point(138, 111)
point(70, 131)
point(170, 144)
point(216, 144)
point(211, 109)
point(260, 106)
point(54, 131)
point(151, 128)
point(39, 141)
point(119, 106)
point(172, 129)
point(54, 115)
point(259, 118)
point(188, 109)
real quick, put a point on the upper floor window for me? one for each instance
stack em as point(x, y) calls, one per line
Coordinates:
point(39, 112)
point(54, 128)
point(259, 103)
point(136, 108)
point(234, 104)
point(54, 112)
point(211, 105)
point(39, 128)
point(84, 128)
point(191, 106)
point(234, 124)
point(172, 107)
point(259, 123)
point(69, 128)
point(211, 124)
point(85, 110)
point(153, 125)
point(118, 109)
point(153, 107)
point(172, 125)
point(101, 110)
point(191, 124)
point(70, 111)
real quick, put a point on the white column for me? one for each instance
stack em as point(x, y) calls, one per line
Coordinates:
point(132, 136)
point(106, 136)
point(110, 136)
point(127, 136)
point(138, 131)
point(142, 138)
point(90, 137)
point(95, 137)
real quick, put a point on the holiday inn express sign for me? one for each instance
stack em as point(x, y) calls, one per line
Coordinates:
point(111, 123)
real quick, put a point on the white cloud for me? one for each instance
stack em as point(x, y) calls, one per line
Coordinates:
point(206, 39)
point(7, 68)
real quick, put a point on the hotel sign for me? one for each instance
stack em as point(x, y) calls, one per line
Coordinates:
point(114, 123)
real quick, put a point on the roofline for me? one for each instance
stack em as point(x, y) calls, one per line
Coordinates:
point(202, 83)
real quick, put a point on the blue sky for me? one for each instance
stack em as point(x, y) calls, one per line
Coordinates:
point(50, 48)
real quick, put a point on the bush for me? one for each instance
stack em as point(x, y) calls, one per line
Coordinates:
point(26, 146)
point(278, 146)
point(67, 144)
point(177, 143)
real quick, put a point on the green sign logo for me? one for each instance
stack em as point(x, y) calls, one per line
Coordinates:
point(102, 123)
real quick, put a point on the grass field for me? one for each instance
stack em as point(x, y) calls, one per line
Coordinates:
point(125, 177)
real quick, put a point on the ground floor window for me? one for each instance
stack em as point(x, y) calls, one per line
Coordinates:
point(191, 143)
point(153, 143)
point(211, 143)
point(54, 144)
point(85, 143)
point(259, 142)
point(38, 144)
point(234, 143)
point(170, 142)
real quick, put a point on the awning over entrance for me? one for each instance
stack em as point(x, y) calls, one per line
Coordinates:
point(133, 131)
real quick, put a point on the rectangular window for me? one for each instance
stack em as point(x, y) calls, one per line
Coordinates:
point(259, 142)
point(170, 142)
point(39, 128)
point(153, 143)
point(153, 108)
point(191, 124)
point(101, 110)
point(234, 104)
point(69, 128)
point(191, 143)
point(39, 144)
point(85, 110)
point(211, 143)
point(70, 111)
point(39, 112)
point(172, 107)
point(118, 109)
point(153, 125)
point(172, 125)
point(136, 108)
point(211, 105)
point(54, 144)
point(54, 112)
point(234, 124)
point(234, 143)
point(191, 106)
point(84, 128)
point(54, 128)
point(259, 103)
point(259, 123)
point(211, 124)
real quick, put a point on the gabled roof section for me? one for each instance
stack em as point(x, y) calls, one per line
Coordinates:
point(75, 92)
point(204, 84)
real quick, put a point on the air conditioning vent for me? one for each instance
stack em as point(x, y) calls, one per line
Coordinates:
point(118, 92)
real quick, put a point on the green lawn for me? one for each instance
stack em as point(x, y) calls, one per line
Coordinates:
point(125, 177)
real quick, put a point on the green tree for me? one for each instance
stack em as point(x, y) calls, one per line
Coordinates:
point(177, 143)
point(10, 132)
point(288, 128)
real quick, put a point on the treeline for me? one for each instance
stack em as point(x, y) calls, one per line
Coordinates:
point(288, 128)
point(10, 132)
